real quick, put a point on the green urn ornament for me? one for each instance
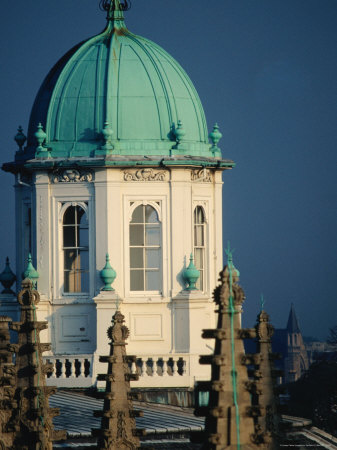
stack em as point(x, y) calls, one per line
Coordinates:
point(191, 275)
point(108, 275)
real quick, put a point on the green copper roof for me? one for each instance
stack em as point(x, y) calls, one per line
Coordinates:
point(126, 85)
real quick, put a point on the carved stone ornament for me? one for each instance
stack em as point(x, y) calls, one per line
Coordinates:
point(71, 176)
point(202, 175)
point(145, 175)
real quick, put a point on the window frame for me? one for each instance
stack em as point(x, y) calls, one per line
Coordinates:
point(61, 205)
point(144, 246)
point(131, 204)
point(77, 248)
point(205, 246)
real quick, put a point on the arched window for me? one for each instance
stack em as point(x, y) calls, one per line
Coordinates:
point(145, 250)
point(199, 245)
point(76, 250)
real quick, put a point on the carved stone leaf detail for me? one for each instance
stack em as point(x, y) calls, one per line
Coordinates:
point(145, 175)
point(71, 176)
point(201, 175)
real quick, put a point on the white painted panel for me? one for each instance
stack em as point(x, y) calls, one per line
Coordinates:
point(74, 326)
point(147, 326)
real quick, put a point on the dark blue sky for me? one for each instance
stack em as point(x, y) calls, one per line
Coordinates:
point(266, 71)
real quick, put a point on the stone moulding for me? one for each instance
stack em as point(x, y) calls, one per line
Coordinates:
point(71, 176)
point(201, 175)
point(145, 175)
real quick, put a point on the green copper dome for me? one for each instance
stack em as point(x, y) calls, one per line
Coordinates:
point(118, 93)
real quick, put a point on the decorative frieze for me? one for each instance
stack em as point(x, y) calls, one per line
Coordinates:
point(71, 176)
point(147, 174)
point(201, 175)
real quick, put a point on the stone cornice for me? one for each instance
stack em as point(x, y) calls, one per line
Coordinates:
point(53, 164)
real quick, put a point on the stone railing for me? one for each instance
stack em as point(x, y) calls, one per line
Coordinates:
point(78, 371)
point(162, 371)
point(71, 371)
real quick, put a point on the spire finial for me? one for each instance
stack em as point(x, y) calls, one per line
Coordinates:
point(262, 302)
point(115, 8)
point(229, 252)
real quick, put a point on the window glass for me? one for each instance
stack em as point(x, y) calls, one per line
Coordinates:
point(199, 235)
point(75, 250)
point(152, 281)
point(145, 249)
point(136, 258)
point(69, 216)
point(137, 280)
point(69, 236)
point(151, 215)
point(198, 257)
point(138, 215)
point(199, 245)
point(152, 258)
point(152, 235)
point(137, 235)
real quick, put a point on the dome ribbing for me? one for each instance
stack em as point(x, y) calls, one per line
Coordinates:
point(127, 81)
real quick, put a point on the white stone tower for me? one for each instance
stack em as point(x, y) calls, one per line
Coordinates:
point(118, 162)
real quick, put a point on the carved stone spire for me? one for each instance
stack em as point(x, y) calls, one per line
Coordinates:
point(7, 385)
point(229, 423)
point(32, 419)
point(118, 426)
point(268, 423)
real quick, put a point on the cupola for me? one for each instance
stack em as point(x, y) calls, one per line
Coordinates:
point(118, 94)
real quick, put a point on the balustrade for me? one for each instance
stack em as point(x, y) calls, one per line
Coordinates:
point(71, 371)
point(153, 370)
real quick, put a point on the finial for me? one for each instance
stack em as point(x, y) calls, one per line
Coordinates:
point(108, 275)
point(41, 136)
point(215, 137)
point(7, 278)
point(229, 252)
point(191, 275)
point(179, 132)
point(115, 8)
point(117, 303)
point(107, 133)
point(31, 273)
point(262, 302)
point(20, 138)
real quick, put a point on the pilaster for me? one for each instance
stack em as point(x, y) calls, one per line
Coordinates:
point(41, 247)
point(106, 305)
point(189, 310)
point(181, 225)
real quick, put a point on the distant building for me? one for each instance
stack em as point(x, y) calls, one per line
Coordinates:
point(289, 343)
point(318, 350)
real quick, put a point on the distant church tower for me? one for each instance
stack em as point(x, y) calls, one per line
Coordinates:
point(118, 162)
point(289, 343)
point(296, 360)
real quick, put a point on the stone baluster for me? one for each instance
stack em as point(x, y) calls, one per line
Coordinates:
point(63, 367)
point(155, 367)
point(90, 367)
point(133, 367)
point(164, 367)
point(184, 368)
point(174, 367)
point(52, 361)
point(72, 368)
point(143, 372)
point(80, 367)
